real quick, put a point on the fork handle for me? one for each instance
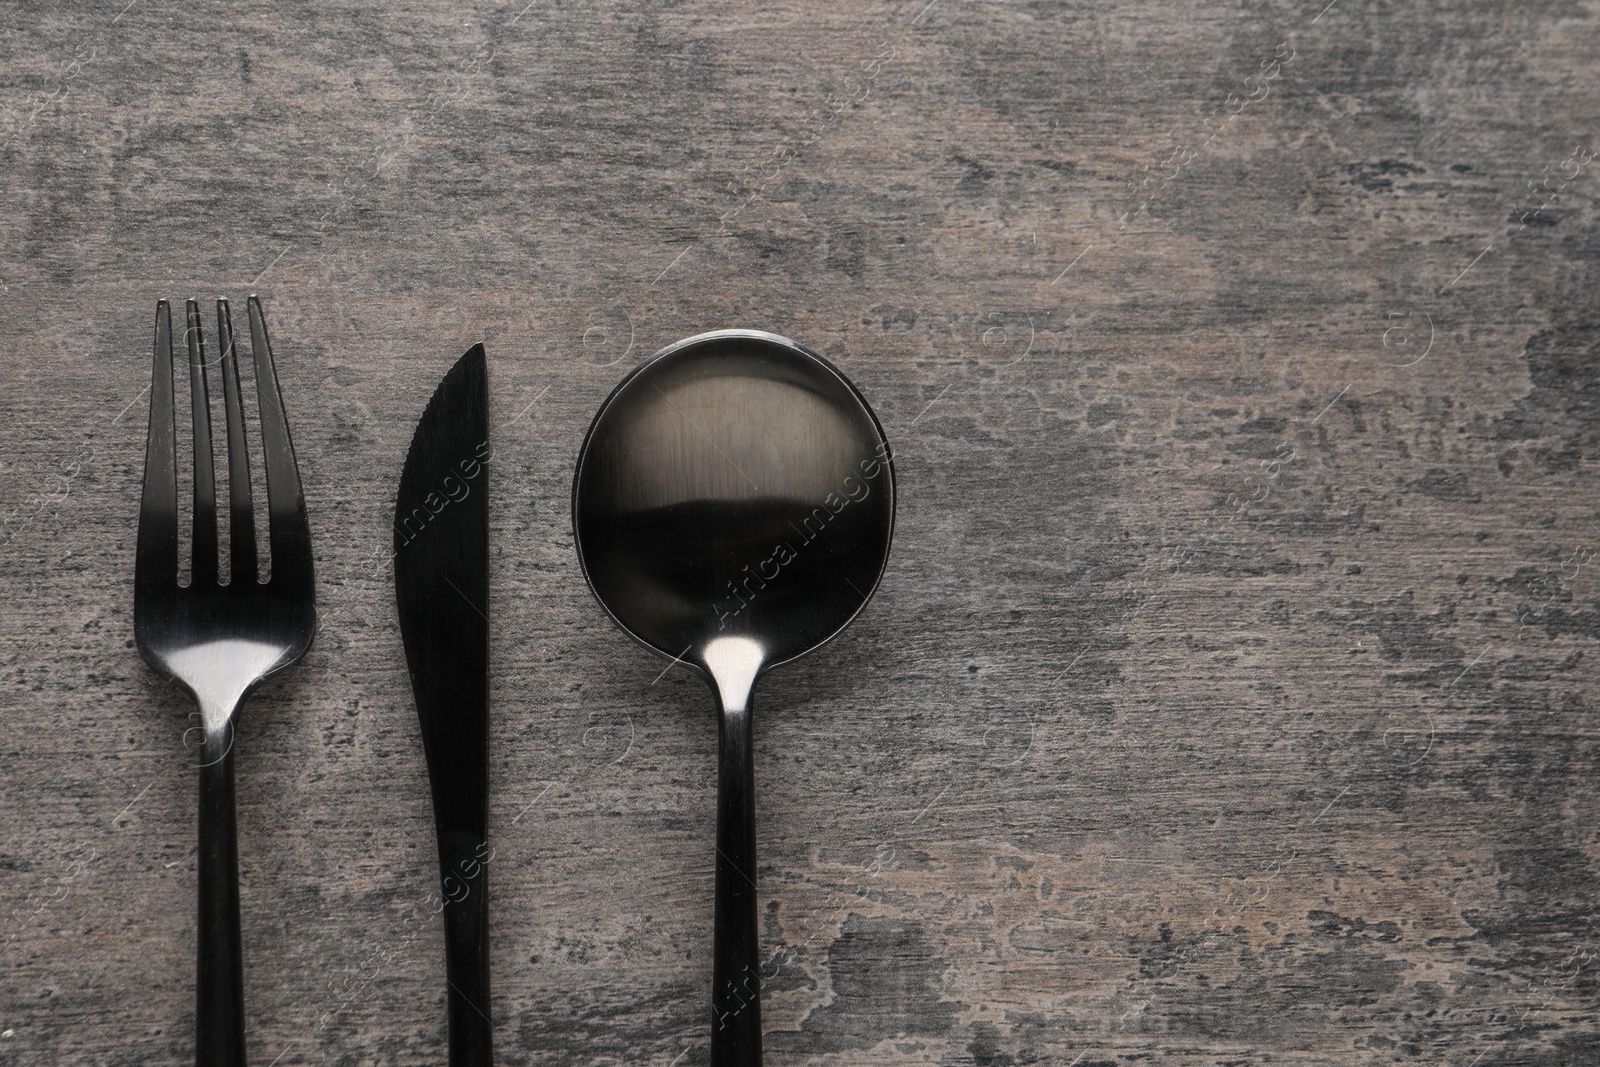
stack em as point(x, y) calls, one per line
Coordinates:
point(219, 987)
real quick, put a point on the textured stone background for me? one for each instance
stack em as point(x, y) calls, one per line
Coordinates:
point(1231, 698)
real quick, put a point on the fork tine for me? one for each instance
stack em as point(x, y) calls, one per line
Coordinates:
point(288, 531)
point(241, 510)
point(156, 552)
point(204, 571)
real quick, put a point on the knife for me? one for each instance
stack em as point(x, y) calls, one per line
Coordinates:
point(441, 577)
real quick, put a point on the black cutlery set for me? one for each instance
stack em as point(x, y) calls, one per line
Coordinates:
point(732, 509)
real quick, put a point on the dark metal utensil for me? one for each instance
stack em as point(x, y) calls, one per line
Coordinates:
point(220, 641)
point(732, 508)
point(441, 574)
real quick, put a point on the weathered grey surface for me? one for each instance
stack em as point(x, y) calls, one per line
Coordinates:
point(1231, 698)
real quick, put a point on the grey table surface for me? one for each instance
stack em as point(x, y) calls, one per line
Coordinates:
point(1230, 698)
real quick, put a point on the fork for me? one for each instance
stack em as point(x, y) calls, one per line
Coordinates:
point(220, 640)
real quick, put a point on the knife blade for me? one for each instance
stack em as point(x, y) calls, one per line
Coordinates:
point(441, 568)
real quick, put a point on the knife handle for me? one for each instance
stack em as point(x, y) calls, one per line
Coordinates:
point(736, 959)
point(465, 884)
point(219, 977)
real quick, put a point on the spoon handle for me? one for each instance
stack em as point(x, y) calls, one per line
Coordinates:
point(736, 960)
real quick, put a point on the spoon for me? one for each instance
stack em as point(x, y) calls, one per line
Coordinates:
point(732, 510)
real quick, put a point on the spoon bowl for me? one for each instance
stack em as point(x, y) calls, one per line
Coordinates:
point(734, 485)
point(732, 509)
